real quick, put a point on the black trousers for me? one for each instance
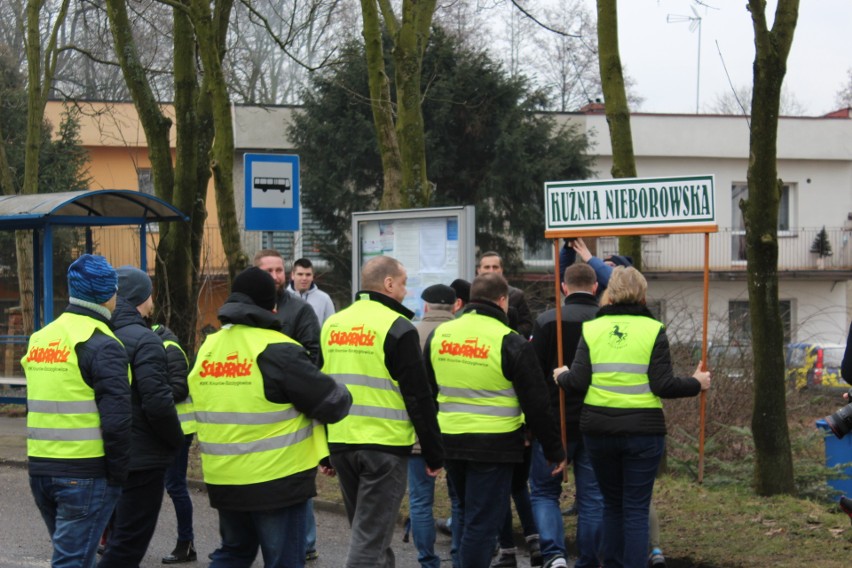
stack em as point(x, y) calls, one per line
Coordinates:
point(135, 519)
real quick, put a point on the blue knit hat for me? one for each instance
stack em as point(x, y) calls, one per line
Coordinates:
point(92, 279)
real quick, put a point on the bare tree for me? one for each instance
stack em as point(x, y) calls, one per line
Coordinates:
point(844, 95)
point(773, 454)
point(178, 253)
point(617, 111)
point(736, 102)
point(399, 123)
point(569, 61)
point(517, 42)
point(12, 30)
point(466, 21)
point(273, 48)
point(42, 51)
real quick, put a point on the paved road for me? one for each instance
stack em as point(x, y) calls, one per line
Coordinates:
point(24, 542)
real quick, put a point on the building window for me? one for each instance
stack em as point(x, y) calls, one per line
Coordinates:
point(739, 321)
point(739, 191)
point(145, 180)
point(539, 256)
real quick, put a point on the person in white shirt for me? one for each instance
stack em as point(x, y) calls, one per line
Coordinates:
point(302, 286)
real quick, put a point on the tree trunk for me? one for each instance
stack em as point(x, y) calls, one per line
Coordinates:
point(39, 81)
point(617, 111)
point(176, 269)
point(774, 461)
point(211, 49)
point(393, 196)
point(409, 46)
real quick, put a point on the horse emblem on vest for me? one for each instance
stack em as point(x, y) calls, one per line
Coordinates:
point(617, 337)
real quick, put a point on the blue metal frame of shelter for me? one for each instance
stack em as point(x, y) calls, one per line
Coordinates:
point(97, 208)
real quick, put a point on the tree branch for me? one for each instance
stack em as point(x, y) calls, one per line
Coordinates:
point(391, 21)
point(280, 43)
point(542, 24)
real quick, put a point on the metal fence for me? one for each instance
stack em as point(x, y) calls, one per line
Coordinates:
point(120, 245)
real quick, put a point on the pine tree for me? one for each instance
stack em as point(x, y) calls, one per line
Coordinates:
point(821, 244)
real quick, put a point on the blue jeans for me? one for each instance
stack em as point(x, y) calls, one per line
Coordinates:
point(545, 491)
point(521, 497)
point(177, 490)
point(483, 494)
point(279, 533)
point(76, 511)
point(310, 528)
point(421, 497)
point(625, 467)
point(455, 511)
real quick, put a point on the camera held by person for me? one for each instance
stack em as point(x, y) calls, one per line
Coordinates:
point(840, 422)
point(846, 506)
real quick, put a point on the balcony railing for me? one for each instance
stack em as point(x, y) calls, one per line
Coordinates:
point(685, 253)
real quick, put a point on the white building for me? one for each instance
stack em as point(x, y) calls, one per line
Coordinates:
point(814, 162)
point(815, 165)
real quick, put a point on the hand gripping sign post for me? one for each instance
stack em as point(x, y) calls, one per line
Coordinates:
point(632, 206)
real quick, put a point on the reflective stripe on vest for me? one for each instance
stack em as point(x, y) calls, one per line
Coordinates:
point(473, 395)
point(244, 438)
point(62, 418)
point(186, 414)
point(352, 343)
point(620, 349)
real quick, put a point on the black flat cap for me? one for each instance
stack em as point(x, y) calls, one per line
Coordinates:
point(439, 294)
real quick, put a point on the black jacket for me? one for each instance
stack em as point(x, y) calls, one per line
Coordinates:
point(156, 428)
point(103, 364)
point(177, 363)
point(289, 377)
point(596, 420)
point(521, 368)
point(578, 307)
point(520, 317)
point(299, 321)
point(404, 362)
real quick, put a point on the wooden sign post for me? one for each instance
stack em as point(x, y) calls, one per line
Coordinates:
point(632, 206)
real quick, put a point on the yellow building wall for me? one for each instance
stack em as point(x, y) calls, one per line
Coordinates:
point(114, 139)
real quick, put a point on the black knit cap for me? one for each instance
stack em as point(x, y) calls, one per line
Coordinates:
point(619, 260)
point(462, 289)
point(258, 285)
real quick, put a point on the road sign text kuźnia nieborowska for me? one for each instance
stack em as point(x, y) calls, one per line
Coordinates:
point(623, 204)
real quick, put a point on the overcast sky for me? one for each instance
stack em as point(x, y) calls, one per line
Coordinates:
point(663, 57)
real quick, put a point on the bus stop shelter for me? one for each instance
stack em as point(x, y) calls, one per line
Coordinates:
point(42, 212)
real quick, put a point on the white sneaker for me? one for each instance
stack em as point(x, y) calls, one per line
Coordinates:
point(556, 562)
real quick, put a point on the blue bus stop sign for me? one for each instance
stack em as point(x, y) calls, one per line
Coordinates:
point(271, 192)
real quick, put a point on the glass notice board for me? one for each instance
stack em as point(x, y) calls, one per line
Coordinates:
point(436, 246)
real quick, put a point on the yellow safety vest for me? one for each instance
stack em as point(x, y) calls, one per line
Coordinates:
point(620, 349)
point(352, 343)
point(244, 438)
point(185, 411)
point(474, 397)
point(62, 418)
